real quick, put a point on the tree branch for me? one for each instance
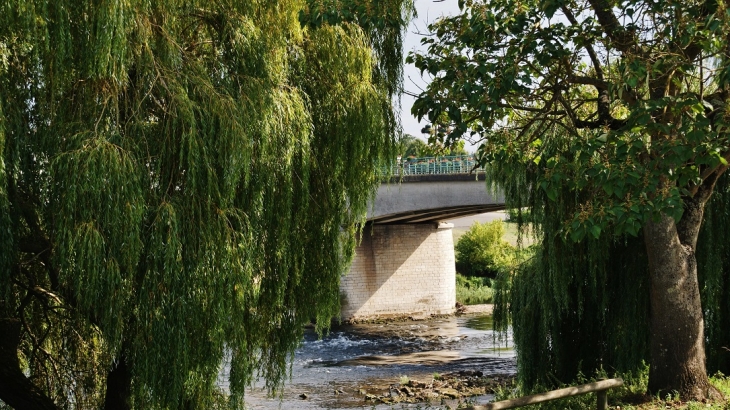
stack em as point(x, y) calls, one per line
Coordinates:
point(16, 390)
point(688, 227)
point(530, 109)
point(604, 117)
point(710, 173)
point(621, 39)
point(596, 82)
point(589, 47)
point(37, 243)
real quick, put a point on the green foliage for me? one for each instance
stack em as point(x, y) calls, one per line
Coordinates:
point(713, 260)
point(473, 290)
point(639, 140)
point(182, 182)
point(582, 306)
point(481, 251)
point(722, 383)
point(383, 22)
point(600, 117)
point(574, 307)
point(410, 146)
point(630, 396)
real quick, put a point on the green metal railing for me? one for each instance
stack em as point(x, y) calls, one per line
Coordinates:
point(459, 164)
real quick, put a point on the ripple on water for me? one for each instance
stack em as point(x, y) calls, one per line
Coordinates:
point(353, 357)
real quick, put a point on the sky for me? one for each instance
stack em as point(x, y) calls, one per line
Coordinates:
point(428, 11)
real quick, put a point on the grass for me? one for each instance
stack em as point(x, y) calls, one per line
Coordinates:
point(646, 402)
point(630, 396)
point(473, 290)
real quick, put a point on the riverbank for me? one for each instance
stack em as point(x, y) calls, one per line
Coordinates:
point(447, 388)
point(438, 388)
point(482, 310)
point(486, 309)
point(340, 370)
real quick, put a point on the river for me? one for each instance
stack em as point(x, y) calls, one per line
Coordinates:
point(333, 372)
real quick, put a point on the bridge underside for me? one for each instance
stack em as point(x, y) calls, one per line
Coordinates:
point(435, 214)
point(404, 265)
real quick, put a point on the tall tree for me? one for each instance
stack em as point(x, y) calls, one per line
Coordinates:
point(180, 182)
point(622, 105)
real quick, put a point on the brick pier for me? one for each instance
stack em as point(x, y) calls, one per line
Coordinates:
point(401, 270)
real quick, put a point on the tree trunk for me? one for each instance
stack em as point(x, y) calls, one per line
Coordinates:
point(118, 387)
point(15, 389)
point(677, 345)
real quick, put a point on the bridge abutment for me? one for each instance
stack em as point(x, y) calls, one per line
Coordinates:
point(401, 270)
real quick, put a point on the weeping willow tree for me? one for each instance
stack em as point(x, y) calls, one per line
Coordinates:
point(180, 182)
point(576, 308)
point(615, 116)
point(713, 264)
point(582, 308)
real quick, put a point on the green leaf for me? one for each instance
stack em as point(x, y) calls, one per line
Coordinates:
point(552, 193)
point(595, 231)
point(576, 235)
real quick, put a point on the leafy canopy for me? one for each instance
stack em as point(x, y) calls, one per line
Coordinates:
point(180, 182)
point(626, 100)
point(601, 117)
point(410, 146)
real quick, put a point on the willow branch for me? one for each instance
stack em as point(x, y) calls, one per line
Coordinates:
point(16, 390)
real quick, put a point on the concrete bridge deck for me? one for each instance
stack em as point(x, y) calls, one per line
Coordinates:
point(432, 198)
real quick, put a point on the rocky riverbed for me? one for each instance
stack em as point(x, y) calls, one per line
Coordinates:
point(434, 363)
point(455, 385)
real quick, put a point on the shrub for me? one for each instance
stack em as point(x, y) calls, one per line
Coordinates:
point(473, 290)
point(481, 251)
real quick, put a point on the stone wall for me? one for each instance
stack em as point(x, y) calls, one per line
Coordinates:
point(401, 270)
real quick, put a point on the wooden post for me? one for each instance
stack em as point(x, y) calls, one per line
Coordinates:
point(602, 399)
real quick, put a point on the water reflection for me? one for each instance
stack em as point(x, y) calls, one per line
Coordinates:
point(479, 323)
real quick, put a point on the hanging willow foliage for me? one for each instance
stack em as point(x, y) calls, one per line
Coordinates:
point(582, 308)
point(574, 307)
point(180, 182)
point(713, 268)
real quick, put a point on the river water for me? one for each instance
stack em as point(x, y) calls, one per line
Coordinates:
point(331, 372)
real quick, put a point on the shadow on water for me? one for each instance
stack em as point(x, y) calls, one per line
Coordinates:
point(333, 371)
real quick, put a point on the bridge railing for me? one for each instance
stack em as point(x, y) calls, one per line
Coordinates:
point(457, 164)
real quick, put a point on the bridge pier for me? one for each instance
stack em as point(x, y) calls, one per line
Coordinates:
point(401, 270)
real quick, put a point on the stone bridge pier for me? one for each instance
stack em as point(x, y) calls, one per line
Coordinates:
point(401, 270)
point(404, 265)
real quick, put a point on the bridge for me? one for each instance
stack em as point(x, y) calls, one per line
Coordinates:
point(405, 263)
